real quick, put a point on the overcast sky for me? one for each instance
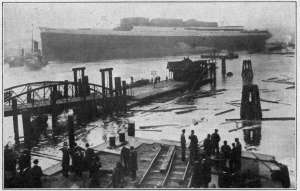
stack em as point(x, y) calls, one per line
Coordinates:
point(19, 17)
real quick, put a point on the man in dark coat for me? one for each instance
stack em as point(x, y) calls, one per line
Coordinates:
point(89, 154)
point(183, 145)
point(225, 152)
point(25, 160)
point(124, 158)
point(78, 162)
point(239, 153)
point(117, 176)
point(207, 145)
point(35, 175)
point(196, 178)
point(133, 165)
point(65, 160)
point(94, 171)
point(215, 139)
point(232, 160)
point(205, 171)
point(193, 146)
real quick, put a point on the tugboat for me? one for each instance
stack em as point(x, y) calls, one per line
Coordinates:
point(35, 61)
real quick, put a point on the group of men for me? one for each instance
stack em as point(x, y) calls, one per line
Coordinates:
point(82, 160)
point(229, 157)
point(128, 165)
point(211, 144)
point(26, 176)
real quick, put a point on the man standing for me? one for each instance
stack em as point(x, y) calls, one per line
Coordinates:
point(89, 154)
point(207, 145)
point(36, 173)
point(133, 166)
point(24, 160)
point(117, 176)
point(94, 171)
point(125, 158)
point(225, 150)
point(232, 161)
point(65, 160)
point(183, 145)
point(238, 153)
point(193, 146)
point(215, 139)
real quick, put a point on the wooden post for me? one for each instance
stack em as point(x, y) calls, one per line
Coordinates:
point(118, 86)
point(124, 88)
point(71, 131)
point(29, 95)
point(110, 82)
point(66, 89)
point(250, 105)
point(75, 82)
point(103, 82)
point(223, 66)
point(54, 109)
point(15, 121)
point(86, 85)
point(26, 128)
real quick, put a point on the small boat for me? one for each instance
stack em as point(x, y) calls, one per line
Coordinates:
point(35, 62)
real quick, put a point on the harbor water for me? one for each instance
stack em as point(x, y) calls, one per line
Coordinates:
point(277, 138)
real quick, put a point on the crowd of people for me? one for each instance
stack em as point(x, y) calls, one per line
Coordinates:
point(128, 165)
point(20, 173)
point(226, 159)
point(26, 175)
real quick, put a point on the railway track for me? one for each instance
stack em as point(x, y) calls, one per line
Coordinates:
point(175, 174)
point(178, 172)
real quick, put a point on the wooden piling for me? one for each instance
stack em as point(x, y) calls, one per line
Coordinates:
point(71, 131)
point(26, 127)
point(250, 105)
point(66, 89)
point(110, 82)
point(103, 82)
point(54, 109)
point(75, 81)
point(15, 121)
point(223, 66)
point(118, 86)
point(124, 88)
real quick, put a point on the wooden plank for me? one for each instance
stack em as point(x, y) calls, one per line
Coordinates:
point(154, 130)
point(156, 126)
point(265, 119)
point(164, 166)
point(185, 111)
point(226, 111)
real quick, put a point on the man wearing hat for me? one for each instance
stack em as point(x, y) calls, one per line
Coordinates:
point(65, 160)
point(132, 163)
point(35, 175)
point(238, 153)
point(215, 139)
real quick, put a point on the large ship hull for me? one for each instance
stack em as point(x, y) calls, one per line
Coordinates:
point(91, 47)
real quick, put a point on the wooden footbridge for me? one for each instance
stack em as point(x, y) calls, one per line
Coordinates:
point(53, 97)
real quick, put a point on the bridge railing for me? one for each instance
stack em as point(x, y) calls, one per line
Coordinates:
point(28, 95)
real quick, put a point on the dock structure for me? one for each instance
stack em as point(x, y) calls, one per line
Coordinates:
point(89, 100)
point(196, 73)
point(53, 97)
point(250, 105)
